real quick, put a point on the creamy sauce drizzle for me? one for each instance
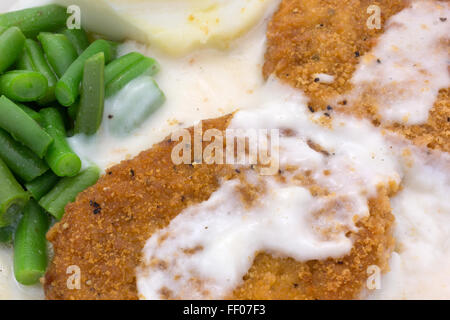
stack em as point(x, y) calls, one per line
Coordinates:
point(285, 222)
point(408, 66)
point(420, 263)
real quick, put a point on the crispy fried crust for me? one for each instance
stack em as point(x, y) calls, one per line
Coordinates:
point(435, 133)
point(285, 278)
point(140, 196)
point(136, 198)
point(306, 37)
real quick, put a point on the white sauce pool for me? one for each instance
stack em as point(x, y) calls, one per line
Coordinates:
point(205, 84)
point(420, 265)
point(227, 235)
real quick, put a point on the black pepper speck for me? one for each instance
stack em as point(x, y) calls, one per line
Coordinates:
point(96, 206)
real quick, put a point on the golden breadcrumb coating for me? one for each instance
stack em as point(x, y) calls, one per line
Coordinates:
point(344, 278)
point(307, 37)
point(140, 196)
point(435, 133)
point(136, 198)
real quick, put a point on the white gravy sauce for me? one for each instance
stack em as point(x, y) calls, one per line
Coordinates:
point(420, 265)
point(227, 234)
point(408, 66)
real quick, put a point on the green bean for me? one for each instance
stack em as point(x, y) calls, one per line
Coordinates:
point(24, 62)
point(31, 113)
point(15, 121)
point(78, 38)
point(60, 157)
point(34, 20)
point(118, 66)
point(39, 64)
point(134, 105)
point(147, 66)
point(23, 85)
point(30, 245)
point(59, 51)
point(66, 191)
point(6, 234)
point(90, 111)
point(11, 46)
point(72, 111)
point(67, 88)
point(12, 196)
point(21, 160)
point(42, 185)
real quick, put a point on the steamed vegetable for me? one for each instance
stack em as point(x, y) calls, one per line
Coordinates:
point(21, 160)
point(35, 61)
point(78, 38)
point(134, 105)
point(67, 88)
point(23, 86)
point(42, 185)
point(30, 112)
point(59, 51)
point(90, 110)
point(34, 20)
point(30, 246)
point(120, 65)
point(11, 46)
point(12, 196)
point(23, 128)
point(145, 66)
point(6, 234)
point(60, 157)
point(66, 191)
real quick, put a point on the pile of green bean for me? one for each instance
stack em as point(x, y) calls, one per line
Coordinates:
point(53, 82)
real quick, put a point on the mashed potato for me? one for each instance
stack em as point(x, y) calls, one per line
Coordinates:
point(186, 26)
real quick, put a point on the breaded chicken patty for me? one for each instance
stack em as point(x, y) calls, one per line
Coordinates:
point(309, 37)
point(104, 231)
